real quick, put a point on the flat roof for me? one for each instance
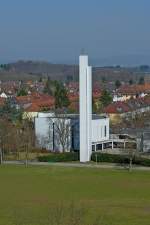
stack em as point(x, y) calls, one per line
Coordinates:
point(70, 116)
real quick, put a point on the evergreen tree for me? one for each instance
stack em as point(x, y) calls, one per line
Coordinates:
point(61, 96)
point(9, 112)
point(117, 83)
point(130, 81)
point(105, 98)
point(22, 92)
point(141, 80)
point(49, 87)
point(59, 92)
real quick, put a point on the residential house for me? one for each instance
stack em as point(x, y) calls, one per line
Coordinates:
point(127, 92)
point(131, 108)
point(34, 103)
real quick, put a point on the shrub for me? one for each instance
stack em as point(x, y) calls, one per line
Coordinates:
point(59, 157)
point(104, 157)
point(121, 159)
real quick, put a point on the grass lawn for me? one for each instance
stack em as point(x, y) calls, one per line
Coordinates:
point(62, 196)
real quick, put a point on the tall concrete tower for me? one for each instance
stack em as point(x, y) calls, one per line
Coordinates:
point(85, 78)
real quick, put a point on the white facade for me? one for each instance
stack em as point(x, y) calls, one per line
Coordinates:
point(43, 133)
point(100, 130)
point(123, 98)
point(85, 78)
point(3, 95)
point(51, 132)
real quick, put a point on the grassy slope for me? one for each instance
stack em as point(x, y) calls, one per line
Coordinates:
point(27, 196)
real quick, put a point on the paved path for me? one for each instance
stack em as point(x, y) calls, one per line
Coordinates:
point(78, 165)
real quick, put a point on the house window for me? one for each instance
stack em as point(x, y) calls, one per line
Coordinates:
point(93, 148)
point(105, 131)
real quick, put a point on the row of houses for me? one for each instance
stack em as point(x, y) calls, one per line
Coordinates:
point(127, 92)
point(11, 88)
point(130, 108)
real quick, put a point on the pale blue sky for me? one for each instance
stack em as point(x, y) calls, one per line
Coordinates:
point(56, 30)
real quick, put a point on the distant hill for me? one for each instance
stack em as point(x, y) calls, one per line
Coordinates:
point(43, 68)
point(127, 60)
point(31, 70)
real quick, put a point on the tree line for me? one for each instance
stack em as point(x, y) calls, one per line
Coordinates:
point(16, 134)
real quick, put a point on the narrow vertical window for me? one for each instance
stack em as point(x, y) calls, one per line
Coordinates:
point(105, 131)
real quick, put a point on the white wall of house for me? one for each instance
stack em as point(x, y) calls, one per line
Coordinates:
point(123, 97)
point(48, 135)
point(100, 130)
point(44, 132)
point(3, 95)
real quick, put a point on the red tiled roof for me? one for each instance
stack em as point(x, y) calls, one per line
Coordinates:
point(36, 101)
point(73, 97)
point(96, 93)
point(128, 106)
point(134, 89)
point(117, 107)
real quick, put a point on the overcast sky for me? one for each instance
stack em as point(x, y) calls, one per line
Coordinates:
point(110, 31)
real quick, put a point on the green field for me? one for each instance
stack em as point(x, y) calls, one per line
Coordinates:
point(64, 196)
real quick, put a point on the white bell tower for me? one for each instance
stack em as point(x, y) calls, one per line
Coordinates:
point(85, 79)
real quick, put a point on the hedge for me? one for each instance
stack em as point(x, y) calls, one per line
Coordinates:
point(120, 159)
point(99, 157)
point(59, 157)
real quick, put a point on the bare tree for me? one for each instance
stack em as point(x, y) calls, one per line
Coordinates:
point(27, 135)
point(61, 126)
point(62, 129)
point(5, 133)
point(131, 153)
